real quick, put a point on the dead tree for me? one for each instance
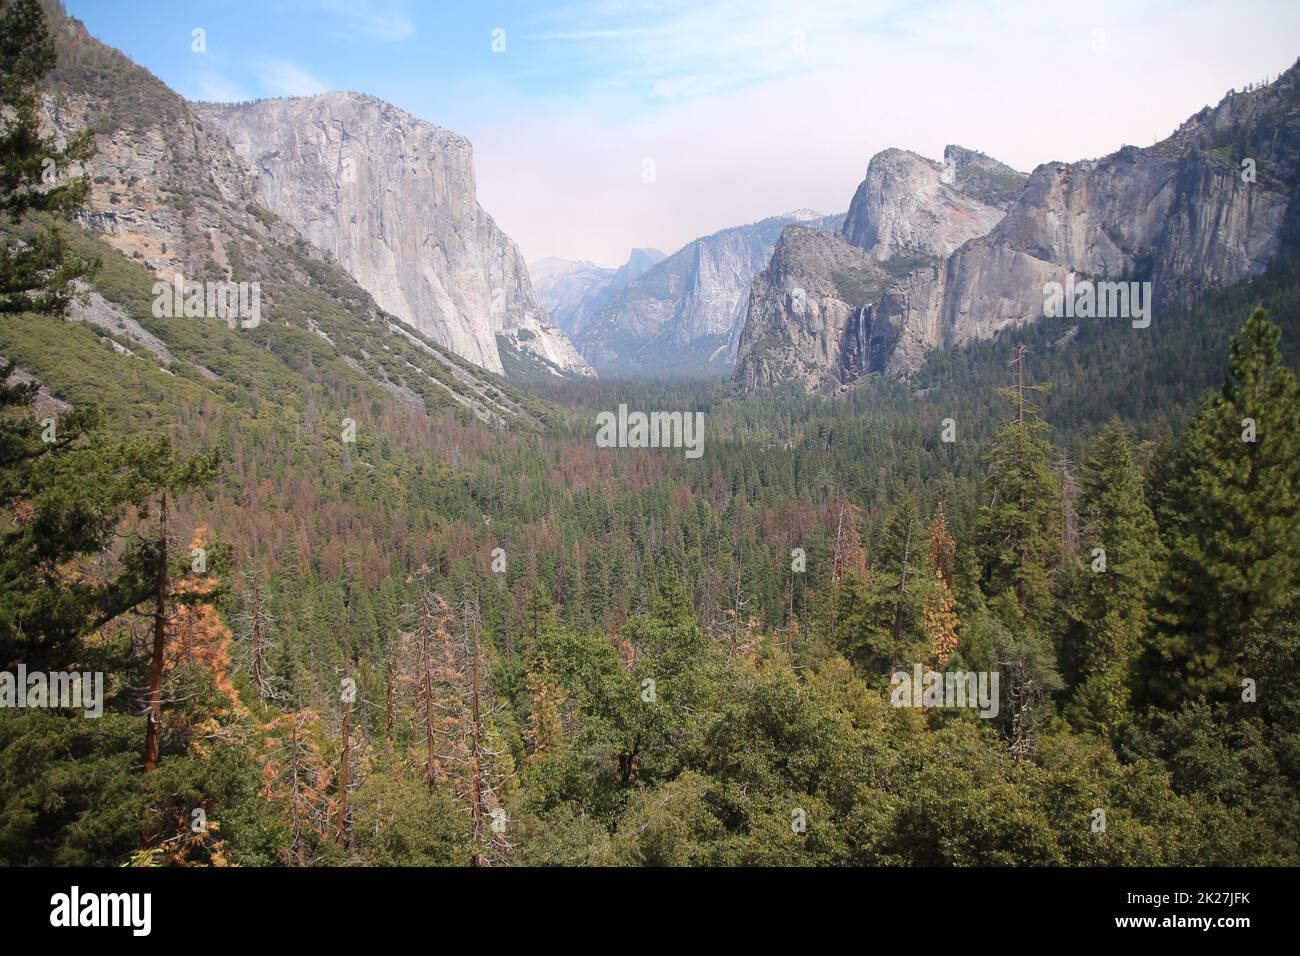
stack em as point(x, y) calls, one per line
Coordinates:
point(1022, 695)
point(296, 778)
point(347, 695)
point(254, 637)
point(479, 783)
point(426, 663)
point(162, 588)
point(901, 597)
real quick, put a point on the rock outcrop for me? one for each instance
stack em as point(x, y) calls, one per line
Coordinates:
point(811, 316)
point(685, 313)
point(170, 194)
point(970, 245)
point(392, 199)
point(910, 205)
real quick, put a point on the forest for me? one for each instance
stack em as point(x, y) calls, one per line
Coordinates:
point(428, 640)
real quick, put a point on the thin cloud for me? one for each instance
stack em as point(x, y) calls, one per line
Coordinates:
point(283, 78)
point(747, 112)
point(612, 34)
point(378, 21)
point(683, 50)
point(215, 88)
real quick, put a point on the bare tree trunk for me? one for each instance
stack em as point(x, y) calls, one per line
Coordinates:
point(390, 708)
point(431, 750)
point(341, 834)
point(835, 579)
point(296, 809)
point(476, 749)
point(257, 637)
point(159, 644)
point(902, 593)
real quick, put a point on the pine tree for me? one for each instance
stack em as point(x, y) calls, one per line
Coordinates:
point(1226, 499)
point(1014, 529)
point(545, 731)
point(255, 639)
point(1121, 551)
point(296, 778)
point(155, 562)
point(902, 588)
point(64, 489)
point(427, 665)
point(841, 599)
point(37, 273)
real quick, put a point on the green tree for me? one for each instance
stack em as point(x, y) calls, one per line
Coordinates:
point(37, 272)
point(1013, 528)
point(1121, 550)
point(1226, 498)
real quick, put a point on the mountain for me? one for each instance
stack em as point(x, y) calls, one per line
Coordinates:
point(572, 291)
point(910, 205)
point(169, 197)
point(392, 199)
point(561, 285)
point(814, 311)
point(684, 314)
point(970, 254)
point(805, 322)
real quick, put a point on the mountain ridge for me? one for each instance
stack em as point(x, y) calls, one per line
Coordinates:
point(1182, 214)
point(683, 315)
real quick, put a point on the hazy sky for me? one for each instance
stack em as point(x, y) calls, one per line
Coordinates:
point(610, 124)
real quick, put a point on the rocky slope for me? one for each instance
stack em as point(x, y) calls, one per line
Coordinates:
point(969, 249)
point(910, 205)
point(685, 314)
point(392, 199)
point(1178, 214)
point(810, 316)
point(169, 196)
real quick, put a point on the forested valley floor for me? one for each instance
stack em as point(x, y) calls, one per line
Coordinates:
point(447, 643)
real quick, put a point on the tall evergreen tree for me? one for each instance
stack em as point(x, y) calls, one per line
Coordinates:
point(1014, 529)
point(1227, 499)
point(1121, 553)
point(903, 589)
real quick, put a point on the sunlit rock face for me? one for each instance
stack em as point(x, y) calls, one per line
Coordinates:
point(392, 198)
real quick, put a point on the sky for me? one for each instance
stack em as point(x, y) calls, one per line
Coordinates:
point(603, 125)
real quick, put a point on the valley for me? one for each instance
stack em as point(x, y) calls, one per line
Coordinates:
point(848, 540)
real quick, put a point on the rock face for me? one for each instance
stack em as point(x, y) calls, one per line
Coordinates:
point(562, 284)
point(810, 315)
point(829, 308)
point(169, 193)
point(574, 292)
point(910, 205)
point(969, 250)
point(165, 189)
point(685, 313)
point(392, 199)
